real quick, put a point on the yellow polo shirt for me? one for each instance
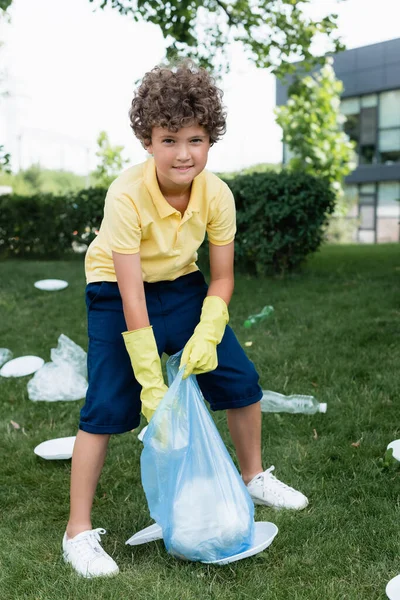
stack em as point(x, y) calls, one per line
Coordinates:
point(137, 218)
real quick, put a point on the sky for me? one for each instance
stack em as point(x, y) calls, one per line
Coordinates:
point(71, 72)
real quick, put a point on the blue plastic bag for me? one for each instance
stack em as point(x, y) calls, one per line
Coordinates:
point(193, 489)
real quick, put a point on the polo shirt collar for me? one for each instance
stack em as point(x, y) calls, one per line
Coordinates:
point(163, 207)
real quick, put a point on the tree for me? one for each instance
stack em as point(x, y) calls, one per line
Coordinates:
point(111, 161)
point(313, 128)
point(5, 157)
point(273, 32)
point(4, 160)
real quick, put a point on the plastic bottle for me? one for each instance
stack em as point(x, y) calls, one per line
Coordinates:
point(274, 402)
point(253, 319)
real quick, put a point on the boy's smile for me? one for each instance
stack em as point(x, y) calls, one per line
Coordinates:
point(179, 156)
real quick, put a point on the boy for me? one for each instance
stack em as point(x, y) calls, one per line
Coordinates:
point(145, 296)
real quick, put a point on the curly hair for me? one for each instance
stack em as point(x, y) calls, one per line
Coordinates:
point(177, 97)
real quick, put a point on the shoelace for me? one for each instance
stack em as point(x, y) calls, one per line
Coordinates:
point(90, 543)
point(267, 475)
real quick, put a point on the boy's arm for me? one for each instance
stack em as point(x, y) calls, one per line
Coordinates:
point(128, 270)
point(221, 270)
point(200, 353)
point(139, 339)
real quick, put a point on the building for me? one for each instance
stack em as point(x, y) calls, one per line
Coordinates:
point(371, 103)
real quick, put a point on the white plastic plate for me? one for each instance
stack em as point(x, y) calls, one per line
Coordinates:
point(58, 449)
point(149, 534)
point(141, 434)
point(395, 445)
point(393, 588)
point(21, 366)
point(51, 285)
point(264, 534)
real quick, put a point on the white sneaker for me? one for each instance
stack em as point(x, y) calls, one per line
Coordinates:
point(86, 555)
point(267, 490)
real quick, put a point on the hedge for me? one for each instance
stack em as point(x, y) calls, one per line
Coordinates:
point(280, 217)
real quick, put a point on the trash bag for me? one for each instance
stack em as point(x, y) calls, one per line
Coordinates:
point(69, 352)
point(64, 378)
point(193, 489)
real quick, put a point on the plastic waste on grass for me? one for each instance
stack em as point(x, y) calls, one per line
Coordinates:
point(395, 446)
point(57, 449)
point(275, 402)
point(62, 379)
point(69, 352)
point(186, 470)
point(264, 534)
point(253, 319)
point(393, 588)
point(141, 434)
point(21, 366)
point(5, 355)
point(51, 285)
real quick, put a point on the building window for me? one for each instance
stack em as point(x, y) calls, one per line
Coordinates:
point(389, 109)
point(389, 127)
point(363, 117)
point(367, 213)
point(389, 145)
point(388, 212)
point(367, 141)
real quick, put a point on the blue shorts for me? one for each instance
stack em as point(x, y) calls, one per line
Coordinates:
point(113, 397)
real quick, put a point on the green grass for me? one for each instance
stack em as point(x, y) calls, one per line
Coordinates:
point(335, 334)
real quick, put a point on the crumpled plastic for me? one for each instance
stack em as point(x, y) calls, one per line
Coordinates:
point(62, 379)
point(193, 489)
point(5, 356)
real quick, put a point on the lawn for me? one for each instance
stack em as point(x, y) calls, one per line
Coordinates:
point(335, 334)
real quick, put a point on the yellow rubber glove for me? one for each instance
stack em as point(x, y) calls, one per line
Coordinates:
point(142, 349)
point(200, 353)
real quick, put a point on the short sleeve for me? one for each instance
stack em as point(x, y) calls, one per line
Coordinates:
point(122, 224)
point(221, 228)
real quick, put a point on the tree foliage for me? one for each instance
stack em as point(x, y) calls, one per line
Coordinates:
point(313, 128)
point(4, 160)
point(273, 32)
point(4, 4)
point(111, 161)
point(35, 180)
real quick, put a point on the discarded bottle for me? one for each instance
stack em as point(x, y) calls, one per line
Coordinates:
point(253, 319)
point(274, 402)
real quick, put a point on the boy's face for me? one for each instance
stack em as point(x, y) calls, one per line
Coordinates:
point(179, 156)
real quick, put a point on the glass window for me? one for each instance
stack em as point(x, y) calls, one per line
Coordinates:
point(367, 188)
point(366, 237)
point(352, 127)
point(389, 109)
point(367, 217)
point(367, 199)
point(389, 145)
point(350, 106)
point(368, 124)
point(388, 199)
point(389, 140)
point(370, 100)
point(351, 200)
point(387, 230)
point(367, 154)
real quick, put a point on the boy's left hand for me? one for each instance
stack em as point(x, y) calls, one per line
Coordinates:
point(200, 352)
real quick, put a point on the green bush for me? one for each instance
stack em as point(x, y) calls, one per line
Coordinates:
point(280, 218)
point(45, 225)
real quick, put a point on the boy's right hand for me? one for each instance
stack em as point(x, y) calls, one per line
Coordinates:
point(142, 349)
